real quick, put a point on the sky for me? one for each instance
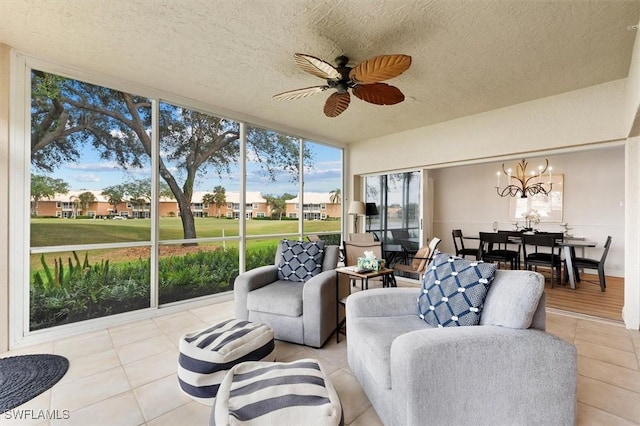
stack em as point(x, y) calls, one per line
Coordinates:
point(93, 173)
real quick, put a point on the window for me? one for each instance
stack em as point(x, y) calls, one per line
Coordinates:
point(117, 264)
point(70, 279)
point(322, 198)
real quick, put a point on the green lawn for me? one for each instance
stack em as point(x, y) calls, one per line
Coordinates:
point(52, 232)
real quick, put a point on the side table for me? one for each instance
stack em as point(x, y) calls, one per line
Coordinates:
point(388, 280)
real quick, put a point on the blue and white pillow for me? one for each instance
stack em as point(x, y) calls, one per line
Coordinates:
point(453, 291)
point(300, 261)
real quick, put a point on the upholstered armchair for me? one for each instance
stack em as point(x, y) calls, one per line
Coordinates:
point(298, 303)
point(506, 370)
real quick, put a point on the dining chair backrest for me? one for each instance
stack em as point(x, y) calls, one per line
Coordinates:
point(354, 249)
point(488, 239)
point(366, 237)
point(550, 240)
point(458, 241)
point(607, 244)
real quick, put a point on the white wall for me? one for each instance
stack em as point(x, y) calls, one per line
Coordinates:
point(594, 189)
point(573, 119)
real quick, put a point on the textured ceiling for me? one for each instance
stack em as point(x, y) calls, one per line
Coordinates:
point(468, 56)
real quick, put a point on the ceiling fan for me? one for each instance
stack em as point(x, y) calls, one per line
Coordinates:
point(364, 80)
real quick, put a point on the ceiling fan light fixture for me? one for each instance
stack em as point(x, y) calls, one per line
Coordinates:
point(363, 79)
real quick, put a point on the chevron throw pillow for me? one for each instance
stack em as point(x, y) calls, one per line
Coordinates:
point(453, 291)
point(300, 260)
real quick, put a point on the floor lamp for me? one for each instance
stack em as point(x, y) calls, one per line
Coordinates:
point(356, 208)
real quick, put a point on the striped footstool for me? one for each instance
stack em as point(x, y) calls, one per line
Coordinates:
point(280, 393)
point(206, 355)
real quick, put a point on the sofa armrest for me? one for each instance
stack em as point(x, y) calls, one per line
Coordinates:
point(319, 308)
point(515, 376)
point(248, 281)
point(383, 302)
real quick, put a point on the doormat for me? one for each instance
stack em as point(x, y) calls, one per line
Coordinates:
point(24, 377)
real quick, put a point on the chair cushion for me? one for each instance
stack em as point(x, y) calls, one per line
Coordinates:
point(300, 260)
point(280, 298)
point(453, 291)
point(373, 336)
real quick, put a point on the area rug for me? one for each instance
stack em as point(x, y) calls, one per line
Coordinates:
point(26, 376)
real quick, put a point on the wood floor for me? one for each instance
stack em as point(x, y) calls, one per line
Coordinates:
point(587, 297)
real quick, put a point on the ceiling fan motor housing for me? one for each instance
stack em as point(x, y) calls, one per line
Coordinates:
point(345, 82)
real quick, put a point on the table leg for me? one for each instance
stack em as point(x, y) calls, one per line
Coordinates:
point(568, 258)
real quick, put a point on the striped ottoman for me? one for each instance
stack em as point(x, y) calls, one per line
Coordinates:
point(206, 355)
point(280, 393)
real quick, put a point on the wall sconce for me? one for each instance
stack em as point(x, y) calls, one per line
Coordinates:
point(356, 208)
point(526, 184)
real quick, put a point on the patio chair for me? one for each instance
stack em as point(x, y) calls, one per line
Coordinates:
point(420, 261)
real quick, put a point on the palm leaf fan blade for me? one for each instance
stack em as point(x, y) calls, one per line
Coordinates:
point(336, 104)
point(379, 94)
point(300, 93)
point(380, 68)
point(316, 66)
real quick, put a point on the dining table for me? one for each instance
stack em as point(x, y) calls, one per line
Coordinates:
point(568, 245)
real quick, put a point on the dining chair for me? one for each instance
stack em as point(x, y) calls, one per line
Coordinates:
point(586, 263)
point(420, 261)
point(493, 248)
point(458, 243)
point(514, 238)
point(545, 251)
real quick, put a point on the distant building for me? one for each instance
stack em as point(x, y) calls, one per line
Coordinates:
point(317, 206)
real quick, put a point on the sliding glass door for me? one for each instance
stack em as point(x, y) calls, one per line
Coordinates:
point(397, 197)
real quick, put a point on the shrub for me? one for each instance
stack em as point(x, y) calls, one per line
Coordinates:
point(76, 290)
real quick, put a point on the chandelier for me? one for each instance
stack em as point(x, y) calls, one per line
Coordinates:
point(525, 183)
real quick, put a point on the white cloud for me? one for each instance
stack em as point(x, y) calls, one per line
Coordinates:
point(95, 167)
point(88, 177)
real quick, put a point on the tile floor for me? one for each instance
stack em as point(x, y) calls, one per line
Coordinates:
point(126, 375)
